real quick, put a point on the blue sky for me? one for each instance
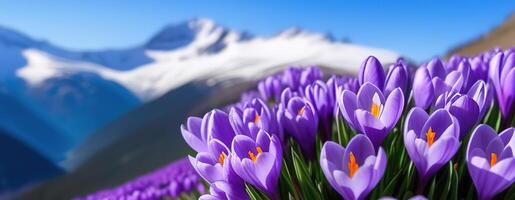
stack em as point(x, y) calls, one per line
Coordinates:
point(417, 29)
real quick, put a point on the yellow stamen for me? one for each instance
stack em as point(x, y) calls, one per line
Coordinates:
point(257, 118)
point(252, 156)
point(375, 110)
point(259, 150)
point(221, 158)
point(493, 159)
point(430, 135)
point(353, 166)
point(301, 111)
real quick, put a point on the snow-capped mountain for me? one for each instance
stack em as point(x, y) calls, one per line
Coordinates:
point(200, 49)
point(77, 92)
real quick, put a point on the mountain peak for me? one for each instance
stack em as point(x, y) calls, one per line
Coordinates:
point(297, 32)
point(203, 34)
point(12, 38)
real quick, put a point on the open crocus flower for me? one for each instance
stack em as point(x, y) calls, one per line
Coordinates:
point(222, 190)
point(370, 113)
point(491, 160)
point(431, 141)
point(353, 171)
point(300, 120)
point(502, 76)
point(210, 165)
point(255, 116)
point(259, 161)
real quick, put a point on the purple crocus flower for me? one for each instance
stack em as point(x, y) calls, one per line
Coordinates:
point(210, 165)
point(270, 88)
point(502, 76)
point(222, 190)
point(214, 124)
point(353, 171)
point(193, 135)
point(320, 97)
point(291, 77)
point(372, 71)
point(431, 141)
point(370, 113)
point(491, 160)
point(300, 120)
point(397, 77)
point(463, 107)
point(431, 81)
point(259, 161)
point(310, 75)
point(255, 116)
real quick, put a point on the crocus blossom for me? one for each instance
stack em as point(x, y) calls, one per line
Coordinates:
point(370, 113)
point(430, 140)
point(491, 160)
point(502, 76)
point(259, 161)
point(353, 171)
point(300, 120)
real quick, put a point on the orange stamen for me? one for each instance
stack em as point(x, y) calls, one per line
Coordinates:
point(430, 135)
point(353, 166)
point(257, 118)
point(221, 158)
point(375, 110)
point(252, 156)
point(301, 111)
point(493, 159)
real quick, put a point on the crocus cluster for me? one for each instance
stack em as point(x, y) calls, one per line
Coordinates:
point(170, 181)
point(394, 131)
point(438, 103)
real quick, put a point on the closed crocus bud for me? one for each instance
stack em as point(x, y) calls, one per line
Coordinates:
point(502, 77)
point(491, 161)
point(193, 135)
point(370, 113)
point(465, 69)
point(300, 120)
point(482, 95)
point(353, 171)
point(259, 161)
point(431, 141)
point(372, 71)
point(310, 75)
point(320, 97)
point(423, 92)
point(463, 107)
point(270, 88)
point(291, 77)
point(217, 126)
point(397, 77)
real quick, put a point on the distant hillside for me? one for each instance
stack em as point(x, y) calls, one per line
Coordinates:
point(21, 165)
point(502, 36)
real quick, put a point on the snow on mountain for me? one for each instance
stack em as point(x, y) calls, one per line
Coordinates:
point(201, 49)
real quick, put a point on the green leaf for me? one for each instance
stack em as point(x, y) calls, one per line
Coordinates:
point(306, 184)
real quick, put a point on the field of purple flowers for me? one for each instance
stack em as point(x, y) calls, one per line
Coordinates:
point(444, 130)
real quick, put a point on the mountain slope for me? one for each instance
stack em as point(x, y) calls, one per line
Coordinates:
point(502, 36)
point(21, 165)
point(27, 125)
